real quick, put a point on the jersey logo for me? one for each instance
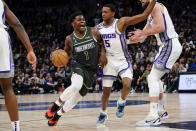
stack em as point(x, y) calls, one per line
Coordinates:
point(85, 47)
point(108, 36)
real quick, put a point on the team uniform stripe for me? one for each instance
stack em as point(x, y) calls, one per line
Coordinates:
point(109, 76)
point(168, 57)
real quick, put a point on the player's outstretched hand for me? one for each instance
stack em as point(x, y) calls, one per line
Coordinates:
point(32, 59)
point(136, 36)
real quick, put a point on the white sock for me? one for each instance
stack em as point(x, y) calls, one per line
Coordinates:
point(161, 106)
point(15, 125)
point(121, 101)
point(154, 109)
point(58, 103)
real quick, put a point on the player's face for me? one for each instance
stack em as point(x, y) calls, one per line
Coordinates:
point(144, 3)
point(107, 13)
point(79, 23)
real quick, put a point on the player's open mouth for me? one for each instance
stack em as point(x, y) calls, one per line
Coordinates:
point(82, 26)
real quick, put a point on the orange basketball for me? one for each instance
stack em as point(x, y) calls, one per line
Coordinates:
point(59, 58)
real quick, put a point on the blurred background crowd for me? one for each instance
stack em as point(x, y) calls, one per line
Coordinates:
point(47, 24)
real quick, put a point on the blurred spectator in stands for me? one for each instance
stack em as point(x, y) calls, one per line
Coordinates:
point(173, 78)
point(192, 65)
point(139, 55)
point(142, 80)
point(34, 89)
point(182, 68)
point(42, 82)
point(151, 57)
point(50, 86)
point(27, 84)
point(135, 78)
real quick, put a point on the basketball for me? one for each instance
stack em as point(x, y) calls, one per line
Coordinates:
point(59, 58)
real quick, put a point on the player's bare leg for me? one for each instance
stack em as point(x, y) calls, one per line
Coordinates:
point(104, 99)
point(122, 100)
point(126, 87)
point(10, 101)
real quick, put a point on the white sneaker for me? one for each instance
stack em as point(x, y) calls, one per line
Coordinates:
point(149, 121)
point(163, 115)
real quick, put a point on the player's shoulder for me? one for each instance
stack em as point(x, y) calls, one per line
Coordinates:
point(100, 26)
point(68, 39)
point(157, 7)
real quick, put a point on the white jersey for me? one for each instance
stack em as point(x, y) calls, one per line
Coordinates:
point(169, 32)
point(2, 15)
point(114, 41)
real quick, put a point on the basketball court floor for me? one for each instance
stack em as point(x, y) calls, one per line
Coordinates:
point(181, 109)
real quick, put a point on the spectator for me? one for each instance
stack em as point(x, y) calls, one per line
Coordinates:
point(142, 81)
point(50, 85)
point(27, 84)
point(173, 78)
point(135, 78)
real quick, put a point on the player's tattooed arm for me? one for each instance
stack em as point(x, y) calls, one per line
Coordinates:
point(124, 22)
point(68, 45)
point(102, 58)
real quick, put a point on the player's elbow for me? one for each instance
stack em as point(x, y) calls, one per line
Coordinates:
point(161, 28)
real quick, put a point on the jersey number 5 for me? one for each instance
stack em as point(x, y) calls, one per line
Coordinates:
point(107, 44)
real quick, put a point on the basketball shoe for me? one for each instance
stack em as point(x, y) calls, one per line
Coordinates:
point(120, 110)
point(101, 119)
point(149, 121)
point(163, 115)
point(54, 120)
point(51, 111)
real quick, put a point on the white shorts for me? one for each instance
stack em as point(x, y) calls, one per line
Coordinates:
point(168, 54)
point(116, 67)
point(6, 58)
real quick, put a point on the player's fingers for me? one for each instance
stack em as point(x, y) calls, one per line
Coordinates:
point(31, 59)
point(130, 33)
point(132, 38)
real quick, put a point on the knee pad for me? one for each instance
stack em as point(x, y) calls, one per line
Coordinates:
point(83, 91)
point(153, 84)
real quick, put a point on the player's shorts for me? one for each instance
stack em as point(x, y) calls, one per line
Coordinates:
point(6, 57)
point(168, 53)
point(89, 76)
point(115, 67)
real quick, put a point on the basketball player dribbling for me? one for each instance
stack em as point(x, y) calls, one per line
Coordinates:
point(83, 48)
point(113, 33)
point(159, 24)
point(6, 60)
